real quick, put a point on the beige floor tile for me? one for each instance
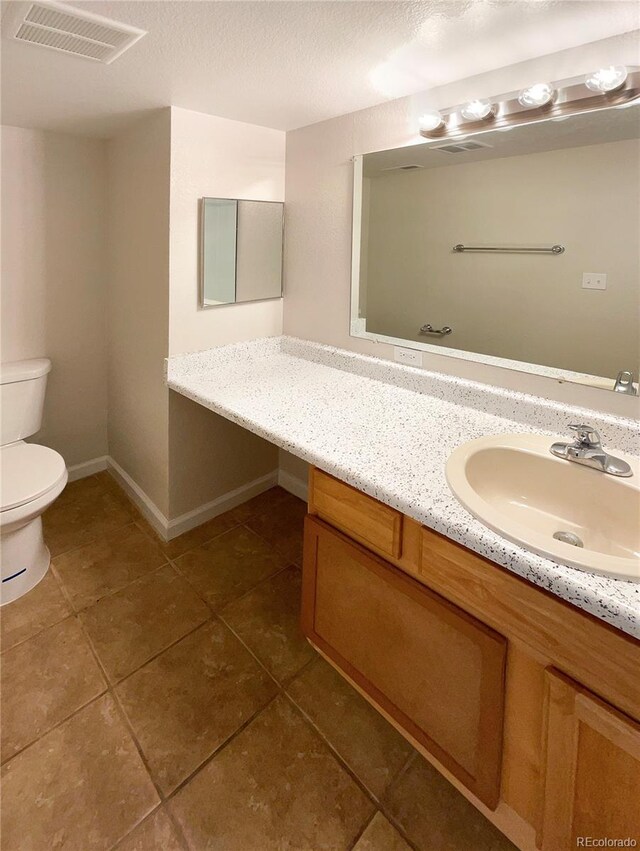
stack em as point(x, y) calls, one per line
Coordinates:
point(78, 520)
point(109, 483)
point(433, 814)
point(370, 746)
point(267, 619)
point(41, 607)
point(80, 489)
point(156, 833)
point(131, 626)
point(282, 526)
point(108, 564)
point(190, 699)
point(275, 786)
point(44, 680)
point(381, 835)
point(81, 787)
point(200, 535)
point(229, 566)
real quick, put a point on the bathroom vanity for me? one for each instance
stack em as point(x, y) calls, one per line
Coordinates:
point(529, 705)
point(517, 676)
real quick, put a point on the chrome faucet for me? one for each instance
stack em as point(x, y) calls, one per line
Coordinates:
point(587, 449)
point(624, 383)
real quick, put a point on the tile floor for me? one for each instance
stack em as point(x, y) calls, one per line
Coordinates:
point(161, 696)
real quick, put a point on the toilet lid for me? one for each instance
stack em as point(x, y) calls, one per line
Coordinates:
point(27, 471)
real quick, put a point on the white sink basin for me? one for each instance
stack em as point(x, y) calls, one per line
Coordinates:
point(513, 485)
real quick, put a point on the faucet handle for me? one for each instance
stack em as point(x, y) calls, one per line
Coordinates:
point(587, 436)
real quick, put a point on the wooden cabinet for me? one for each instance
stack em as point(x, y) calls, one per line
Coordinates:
point(363, 518)
point(435, 669)
point(592, 769)
point(529, 705)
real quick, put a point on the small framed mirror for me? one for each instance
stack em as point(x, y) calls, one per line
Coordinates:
point(240, 251)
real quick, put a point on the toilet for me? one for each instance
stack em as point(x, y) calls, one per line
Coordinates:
point(31, 477)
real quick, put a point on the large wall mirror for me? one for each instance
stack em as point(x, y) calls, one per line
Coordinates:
point(517, 248)
point(241, 251)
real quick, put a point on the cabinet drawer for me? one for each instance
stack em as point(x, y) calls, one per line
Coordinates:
point(436, 670)
point(364, 518)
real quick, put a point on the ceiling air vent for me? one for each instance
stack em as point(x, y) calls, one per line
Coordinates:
point(461, 147)
point(75, 31)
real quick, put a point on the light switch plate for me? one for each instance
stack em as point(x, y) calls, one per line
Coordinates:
point(407, 356)
point(594, 280)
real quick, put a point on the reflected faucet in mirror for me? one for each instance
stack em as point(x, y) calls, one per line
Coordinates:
point(624, 383)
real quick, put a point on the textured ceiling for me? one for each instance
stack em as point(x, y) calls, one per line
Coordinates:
point(288, 64)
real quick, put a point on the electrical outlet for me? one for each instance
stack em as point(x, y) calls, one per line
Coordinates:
point(409, 356)
point(594, 280)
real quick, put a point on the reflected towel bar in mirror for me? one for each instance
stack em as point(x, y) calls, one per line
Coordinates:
point(554, 249)
point(429, 329)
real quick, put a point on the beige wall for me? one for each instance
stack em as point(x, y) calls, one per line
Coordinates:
point(215, 157)
point(319, 187)
point(54, 280)
point(522, 307)
point(138, 401)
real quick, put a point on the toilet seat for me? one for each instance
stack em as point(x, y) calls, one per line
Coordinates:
point(28, 472)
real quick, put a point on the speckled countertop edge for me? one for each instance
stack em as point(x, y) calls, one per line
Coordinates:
point(323, 404)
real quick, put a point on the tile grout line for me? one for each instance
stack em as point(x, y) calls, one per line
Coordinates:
point(115, 591)
point(379, 803)
point(157, 809)
point(127, 723)
point(222, 747)
point(250, 651)
point(363, 830)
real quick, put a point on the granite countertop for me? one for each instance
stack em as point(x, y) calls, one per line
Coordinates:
point(388, 430)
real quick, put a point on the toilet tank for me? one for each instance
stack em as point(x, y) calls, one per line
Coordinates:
point(22, 388)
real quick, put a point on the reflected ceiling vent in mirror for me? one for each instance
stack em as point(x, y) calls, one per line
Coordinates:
point(408, 167)
point(70, 30)
point(461, 147)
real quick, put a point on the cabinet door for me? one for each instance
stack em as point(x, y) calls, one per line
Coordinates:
point(592, 771)
point(436, 670)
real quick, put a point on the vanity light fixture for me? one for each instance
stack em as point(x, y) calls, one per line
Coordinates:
point(614, 86)
point(431, 121)
point(540, 94)
point(477, 110)
point(607, 80)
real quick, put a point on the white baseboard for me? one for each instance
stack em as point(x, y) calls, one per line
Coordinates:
point(298, 487)
point(87, 468)
point(148, 508)
point(169, 529)
point(223, 503)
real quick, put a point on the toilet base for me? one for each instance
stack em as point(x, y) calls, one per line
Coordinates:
point(25, 560)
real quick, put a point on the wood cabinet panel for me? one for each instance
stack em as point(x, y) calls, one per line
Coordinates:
point(601, 657)
point(592, 768)
point(364, 518)
point(438, 671)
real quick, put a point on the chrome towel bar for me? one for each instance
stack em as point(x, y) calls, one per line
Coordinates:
point(554, 249)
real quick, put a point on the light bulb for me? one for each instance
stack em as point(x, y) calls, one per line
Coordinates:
point(477, 110)
point(539, 94)
point(607, 79)
point(430, 121)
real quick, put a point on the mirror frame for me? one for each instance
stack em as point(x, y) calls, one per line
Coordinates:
point(629, 97)
point(202, 305)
